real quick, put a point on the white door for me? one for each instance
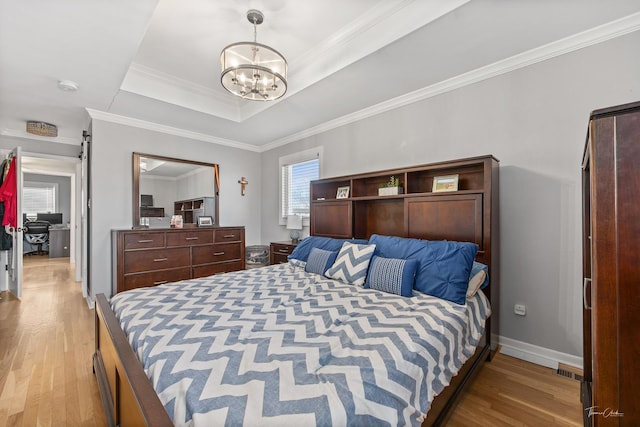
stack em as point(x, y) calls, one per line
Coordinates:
point(15, 253)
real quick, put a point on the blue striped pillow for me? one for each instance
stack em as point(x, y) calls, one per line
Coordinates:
point(352, 263)
point(319, 261)
point(392, 275)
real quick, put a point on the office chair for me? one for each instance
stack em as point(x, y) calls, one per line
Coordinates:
point(37, 233)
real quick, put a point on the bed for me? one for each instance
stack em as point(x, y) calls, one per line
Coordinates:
point(282, 345)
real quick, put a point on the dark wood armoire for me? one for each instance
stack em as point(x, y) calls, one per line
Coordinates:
point(611, 265)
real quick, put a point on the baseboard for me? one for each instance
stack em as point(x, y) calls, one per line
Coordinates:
point(91, 302)
point(538, 355)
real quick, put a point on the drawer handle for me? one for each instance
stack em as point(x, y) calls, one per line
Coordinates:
point(145, 241)
point(229, 236)
point(161, 282)
point(191, 238)
point(160, 259)
point(284, 251)
point(218, 253)
point(584, 293)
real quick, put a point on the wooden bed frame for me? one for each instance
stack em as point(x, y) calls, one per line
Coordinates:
point(130, 400)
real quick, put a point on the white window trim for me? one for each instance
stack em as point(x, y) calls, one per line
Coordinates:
point(301, 156)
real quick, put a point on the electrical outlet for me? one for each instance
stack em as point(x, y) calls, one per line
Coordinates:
point(520, 309)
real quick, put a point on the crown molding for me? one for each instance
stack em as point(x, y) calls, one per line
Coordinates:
point(378, 27)
point(23, 134)
point(149, 82)
point(169, 130)
point(560, 47)
point(569, 44)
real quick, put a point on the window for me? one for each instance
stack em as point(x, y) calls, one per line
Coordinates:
point(296, 172)
point(39, 197)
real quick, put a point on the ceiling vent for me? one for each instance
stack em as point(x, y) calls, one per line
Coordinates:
point(42, 128)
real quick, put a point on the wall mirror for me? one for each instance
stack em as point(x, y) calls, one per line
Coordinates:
point(164, 187)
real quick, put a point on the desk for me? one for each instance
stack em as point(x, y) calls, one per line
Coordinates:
point(58, 242)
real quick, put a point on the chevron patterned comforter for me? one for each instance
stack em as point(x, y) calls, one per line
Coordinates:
point(278, 346)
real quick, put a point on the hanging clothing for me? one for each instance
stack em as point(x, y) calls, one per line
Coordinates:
point(8, 195)
point(6, 242)
point(4, 167)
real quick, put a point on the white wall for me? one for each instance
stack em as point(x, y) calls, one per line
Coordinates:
point(111, 174)
point(163, 190)
point(534, 120)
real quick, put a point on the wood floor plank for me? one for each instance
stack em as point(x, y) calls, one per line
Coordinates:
point(46, 377)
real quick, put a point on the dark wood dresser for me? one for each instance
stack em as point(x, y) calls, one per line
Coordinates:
point(611, 267)
point(150, 257)
point(279, 251)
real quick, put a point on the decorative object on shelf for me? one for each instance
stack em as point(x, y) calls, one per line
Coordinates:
point(343, 193)
point(445, 183)
point(42, 128)
point(390, 188)
point(176, 221)
point(252, 70)
point(243, 184)
point(294, 223)
point(205, 221)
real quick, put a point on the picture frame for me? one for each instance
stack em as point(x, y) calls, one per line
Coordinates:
point(343, 193)
point(445, 183)
point(205, 221)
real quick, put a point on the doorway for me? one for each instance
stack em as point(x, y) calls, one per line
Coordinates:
point(50, 196)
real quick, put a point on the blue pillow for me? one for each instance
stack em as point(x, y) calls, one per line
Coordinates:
point(392, 275)
point(320, 260)
point(478, 267)
point(302, 251)
point(443, 266)
point(352, 263)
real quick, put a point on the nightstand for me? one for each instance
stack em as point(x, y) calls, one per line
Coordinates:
point(280, 251)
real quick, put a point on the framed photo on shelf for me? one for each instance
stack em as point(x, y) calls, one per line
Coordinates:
point(343, 193)
point(445, 183)
point(205, 221)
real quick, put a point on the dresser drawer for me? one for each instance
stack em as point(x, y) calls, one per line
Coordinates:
point(228, 235)
point(141, 280)
point(189, 238)
point(156, 259)
point(281, 248)
point(280, 258)
point(221, 267)
point(143, 240)
point(216, 253)
point(279, 251)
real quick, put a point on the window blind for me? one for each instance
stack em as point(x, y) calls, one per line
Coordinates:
point(295, 179)
point(38, 197)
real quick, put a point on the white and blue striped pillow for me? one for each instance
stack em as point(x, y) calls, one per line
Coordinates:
point(392, 275)
point(319, 261)
point(352, 263)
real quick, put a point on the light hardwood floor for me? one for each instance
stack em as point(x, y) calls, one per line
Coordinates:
point(46, 343)
point(46, 379)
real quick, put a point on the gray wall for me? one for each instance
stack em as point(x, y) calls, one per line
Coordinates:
point(111, 174)
point(534, 120)
point(64, 191)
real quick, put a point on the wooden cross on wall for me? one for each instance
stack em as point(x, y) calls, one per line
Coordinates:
point(243, 184)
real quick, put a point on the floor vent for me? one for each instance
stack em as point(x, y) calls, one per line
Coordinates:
point(569, 374)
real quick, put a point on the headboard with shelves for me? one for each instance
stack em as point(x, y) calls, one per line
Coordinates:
point(470, 213)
